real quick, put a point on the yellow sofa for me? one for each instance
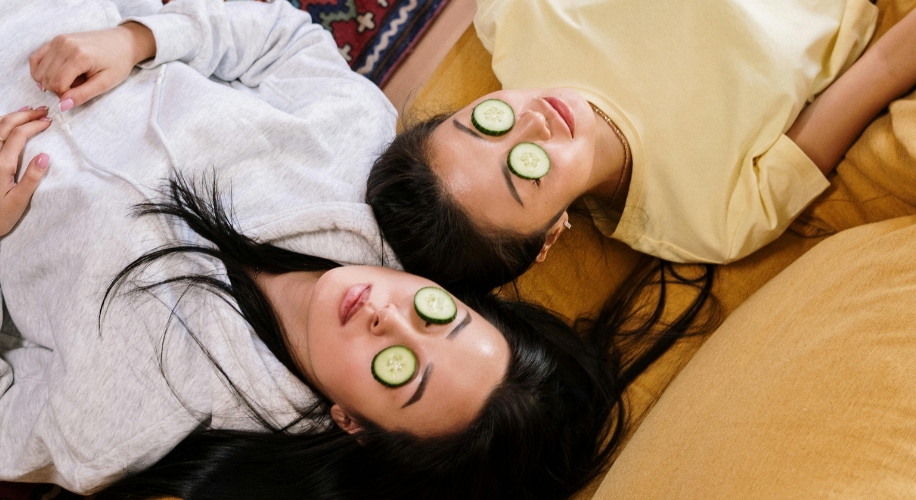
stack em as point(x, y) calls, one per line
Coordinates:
point(807, 389)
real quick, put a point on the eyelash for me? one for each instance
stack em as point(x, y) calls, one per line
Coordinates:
point(537, 182)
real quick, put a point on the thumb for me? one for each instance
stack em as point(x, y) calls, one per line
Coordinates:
point(94, 86)
point(22, 192)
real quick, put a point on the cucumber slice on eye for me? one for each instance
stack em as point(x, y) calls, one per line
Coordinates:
point(394, 366)
point(493, 117)
point(529, 161)
point(435, 305)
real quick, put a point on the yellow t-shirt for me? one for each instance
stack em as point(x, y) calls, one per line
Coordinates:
point(703, 90)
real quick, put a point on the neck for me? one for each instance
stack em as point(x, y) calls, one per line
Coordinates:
point(289, 295)
point(610, 177)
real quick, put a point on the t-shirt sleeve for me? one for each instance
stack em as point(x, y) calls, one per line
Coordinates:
point(856, 30)
point(486, 21)
point(769, 192)
point(781, 183)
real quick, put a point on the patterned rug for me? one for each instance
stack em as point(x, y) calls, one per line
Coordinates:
point(373, 35)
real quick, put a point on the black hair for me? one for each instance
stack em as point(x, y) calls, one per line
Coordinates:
point(547, 429)
point(430, 234)
point(434, 237)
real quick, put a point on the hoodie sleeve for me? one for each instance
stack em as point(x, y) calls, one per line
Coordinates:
point(237, 40)
point(271, 50)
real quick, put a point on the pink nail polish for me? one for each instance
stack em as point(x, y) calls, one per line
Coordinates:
point(41, 108)
point(45, 118)
point(25, 108)
point(40, 86)
point(66, 105)
point(42, 161)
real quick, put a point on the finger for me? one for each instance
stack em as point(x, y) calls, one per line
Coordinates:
point(13, 120)
point(15, 143)
point(94, 86)
point(34, 63)
point(60, 50)
point(63, 74)
point(44, 64)
point(14, 203)
point(21, 193)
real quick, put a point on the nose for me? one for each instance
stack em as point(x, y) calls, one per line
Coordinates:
point(388, 320)
point(532, 126)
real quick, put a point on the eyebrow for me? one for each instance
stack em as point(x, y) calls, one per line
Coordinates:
point(512, 190)
point(460, 326)
point(460, 126)
point(429, 367)
point(422, 387)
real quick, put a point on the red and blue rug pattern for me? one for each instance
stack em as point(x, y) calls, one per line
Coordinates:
point(373, 35)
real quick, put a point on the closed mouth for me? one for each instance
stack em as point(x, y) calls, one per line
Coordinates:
point(565, 113)
point(353, 300)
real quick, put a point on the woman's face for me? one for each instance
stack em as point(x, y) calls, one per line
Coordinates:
point(355, 312)
point(473, 166)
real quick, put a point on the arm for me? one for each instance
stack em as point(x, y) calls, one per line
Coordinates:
point(235, 40)
point(240, 41)
point(827, 127)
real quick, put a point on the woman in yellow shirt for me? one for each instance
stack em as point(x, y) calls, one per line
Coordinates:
point(682, 125)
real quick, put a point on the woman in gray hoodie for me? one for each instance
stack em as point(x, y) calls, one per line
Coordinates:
point(177, 318)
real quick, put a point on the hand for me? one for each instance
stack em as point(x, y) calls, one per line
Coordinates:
point(80, 66)
point(15, 129)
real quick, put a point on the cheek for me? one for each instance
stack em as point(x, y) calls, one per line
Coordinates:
point(574, 163)
point(339, 368)
point(349, 387)
point(578, 154)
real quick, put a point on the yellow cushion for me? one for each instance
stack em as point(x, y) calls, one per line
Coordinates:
point(806, 391)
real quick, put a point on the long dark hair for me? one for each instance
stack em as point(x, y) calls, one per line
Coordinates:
point(430, 234)
point(433, 237)
point(549, 427)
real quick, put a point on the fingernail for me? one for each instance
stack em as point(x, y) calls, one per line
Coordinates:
point(66, 105)
point(25, 108)
point(40, 86)
point(41, 108)
point(45, 118)
point(42, 161)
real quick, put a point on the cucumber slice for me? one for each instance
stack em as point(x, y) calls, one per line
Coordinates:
point(435, 305)
point(394, 366)
point(493, 117)
point(529, 161)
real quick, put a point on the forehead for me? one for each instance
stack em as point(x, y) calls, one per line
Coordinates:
point(475, 174)
point(465, 372)
point(455, 153)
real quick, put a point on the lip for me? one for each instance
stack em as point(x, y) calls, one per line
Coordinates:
point(565, 113)
point(352, 301)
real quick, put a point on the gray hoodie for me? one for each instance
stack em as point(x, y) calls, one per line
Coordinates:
point(292, 135)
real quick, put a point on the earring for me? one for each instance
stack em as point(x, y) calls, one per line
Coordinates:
point(567, 224)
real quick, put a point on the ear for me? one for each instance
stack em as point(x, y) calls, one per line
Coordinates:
point(343, 420)
point(552, 236)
